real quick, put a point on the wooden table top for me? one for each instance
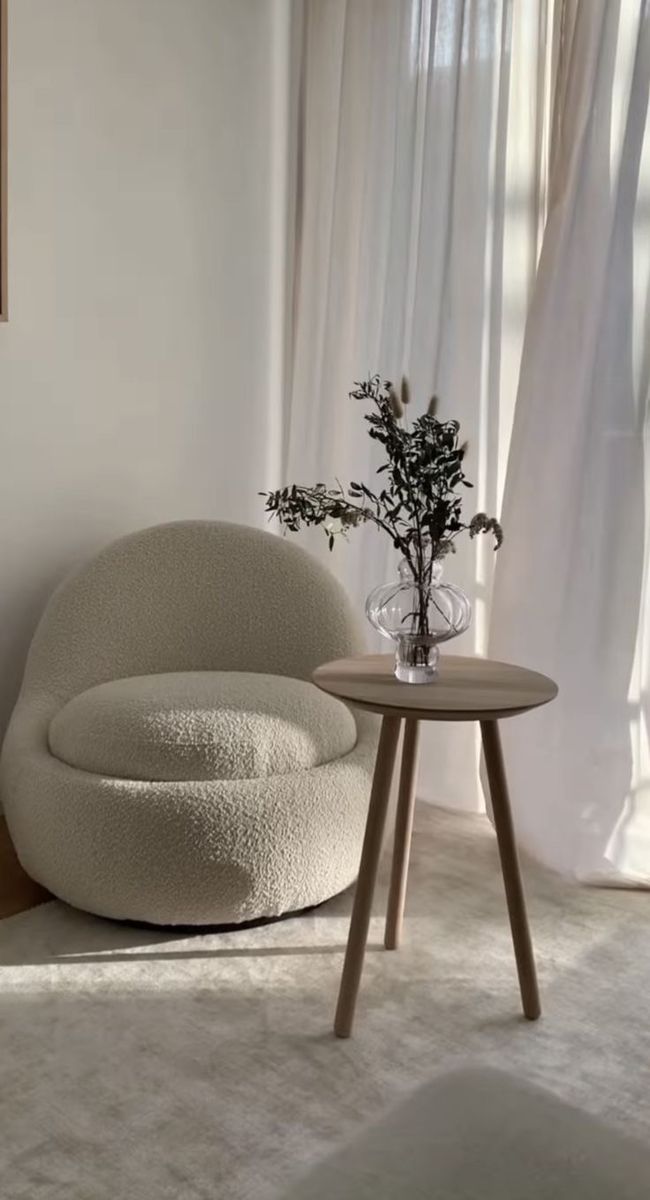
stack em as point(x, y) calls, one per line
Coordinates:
point(466, 689)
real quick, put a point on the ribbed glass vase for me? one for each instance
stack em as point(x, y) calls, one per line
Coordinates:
point(417, 616)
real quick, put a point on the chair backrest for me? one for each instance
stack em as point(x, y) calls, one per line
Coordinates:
point(191, 596)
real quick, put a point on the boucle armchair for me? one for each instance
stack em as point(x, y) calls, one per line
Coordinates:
point(168, 759)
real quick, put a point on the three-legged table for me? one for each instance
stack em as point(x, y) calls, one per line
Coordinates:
point(467, 689)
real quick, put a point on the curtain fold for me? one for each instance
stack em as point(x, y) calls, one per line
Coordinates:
point(414, 258)
point(472, 178)
point(571, 586)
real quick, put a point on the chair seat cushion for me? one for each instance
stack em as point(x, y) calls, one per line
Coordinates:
point(201, 725)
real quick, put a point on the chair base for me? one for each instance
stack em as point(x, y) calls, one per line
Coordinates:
point(229, 927)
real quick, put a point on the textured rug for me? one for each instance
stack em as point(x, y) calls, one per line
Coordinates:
point(143, 1065)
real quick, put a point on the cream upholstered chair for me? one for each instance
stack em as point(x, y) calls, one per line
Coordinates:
point(168, 759)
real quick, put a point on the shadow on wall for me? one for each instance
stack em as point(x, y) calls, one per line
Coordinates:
point(21, 612)
point(22, 606)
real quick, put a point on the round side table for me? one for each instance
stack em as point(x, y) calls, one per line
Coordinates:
point(466, 689)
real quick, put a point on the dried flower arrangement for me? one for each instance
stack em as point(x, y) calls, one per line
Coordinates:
point(420, 505)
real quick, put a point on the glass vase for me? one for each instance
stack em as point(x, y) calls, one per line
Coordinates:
point(417, 615)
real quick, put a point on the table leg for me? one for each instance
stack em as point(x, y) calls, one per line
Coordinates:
point(372, 843)
point(510, 868)
point(403, 831)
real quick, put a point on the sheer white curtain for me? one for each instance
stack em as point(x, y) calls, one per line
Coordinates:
point(571, 592)
point(445, 149)
point(420, 185)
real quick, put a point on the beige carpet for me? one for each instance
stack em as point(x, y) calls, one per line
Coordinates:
point(142, 1066)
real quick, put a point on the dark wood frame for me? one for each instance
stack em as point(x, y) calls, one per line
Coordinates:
point(4, 306)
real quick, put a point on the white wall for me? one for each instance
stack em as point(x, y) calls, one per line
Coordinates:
point(136, 357)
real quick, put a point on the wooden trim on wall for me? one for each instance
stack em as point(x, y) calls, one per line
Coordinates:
point(4, 273)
